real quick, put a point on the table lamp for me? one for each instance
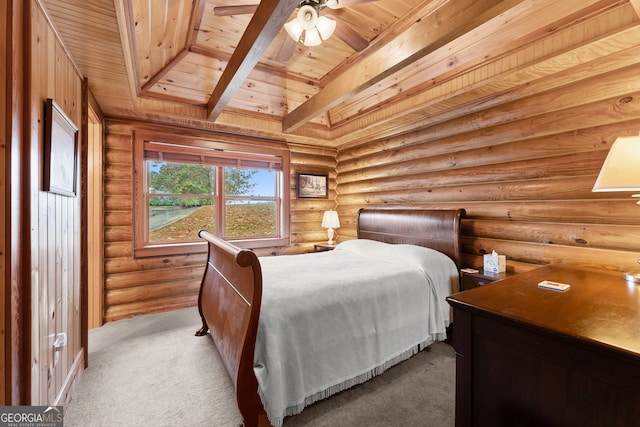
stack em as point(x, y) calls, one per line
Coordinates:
point(330, 221)
point(621, 172)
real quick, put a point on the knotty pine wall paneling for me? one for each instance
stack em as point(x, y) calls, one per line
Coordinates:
point(144, 285)
point(55, 237)
point(523, 170)
point(93, 212)
point(6, 259)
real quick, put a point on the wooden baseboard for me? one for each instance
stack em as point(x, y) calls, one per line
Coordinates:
point(66, 391)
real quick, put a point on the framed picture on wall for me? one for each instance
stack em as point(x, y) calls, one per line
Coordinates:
point(312, 185)
point(60, 151)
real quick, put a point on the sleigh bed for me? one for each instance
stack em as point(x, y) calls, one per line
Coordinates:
point(294, 329)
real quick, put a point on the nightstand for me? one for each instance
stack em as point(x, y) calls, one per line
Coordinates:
point(473, 280)
point(323, 247)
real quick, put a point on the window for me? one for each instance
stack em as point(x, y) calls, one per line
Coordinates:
point(184, 185)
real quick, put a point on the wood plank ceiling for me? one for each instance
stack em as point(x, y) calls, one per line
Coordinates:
point(189, 62)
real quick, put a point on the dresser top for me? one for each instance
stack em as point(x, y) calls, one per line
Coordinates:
point(600, 307)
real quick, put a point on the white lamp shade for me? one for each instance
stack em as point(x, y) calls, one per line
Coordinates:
point(332, 4)
point(294, 29)
point(307, 17)
point(621, 168)
point(326, 27)
point(312, 38)
point(330, 220)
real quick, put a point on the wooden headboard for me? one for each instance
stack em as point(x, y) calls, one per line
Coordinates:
point(432, 228)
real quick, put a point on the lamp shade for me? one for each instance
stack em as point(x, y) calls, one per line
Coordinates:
point(621, 168)
point(312, 38)
point(330, 220)
point(332, 4)
point(326, 27)
point(294, 29)
point(307, 17)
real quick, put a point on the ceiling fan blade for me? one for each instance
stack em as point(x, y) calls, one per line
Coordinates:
point(348, 35)
point(286, 49)
point(242, 9)
point(345, 3)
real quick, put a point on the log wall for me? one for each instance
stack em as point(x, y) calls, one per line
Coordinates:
point(143, 285)
point(523, 170)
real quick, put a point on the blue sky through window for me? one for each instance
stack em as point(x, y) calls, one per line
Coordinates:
point(264, 180)
point(265, 183)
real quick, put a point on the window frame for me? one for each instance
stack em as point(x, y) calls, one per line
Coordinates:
point(229, 150)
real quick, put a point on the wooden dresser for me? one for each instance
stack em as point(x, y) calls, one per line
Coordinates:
point(480, 278)
point(528, 356)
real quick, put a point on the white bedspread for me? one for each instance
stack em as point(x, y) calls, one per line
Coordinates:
point(326, 326)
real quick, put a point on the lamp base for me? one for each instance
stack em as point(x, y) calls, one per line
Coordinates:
point(330, 234)
point(632, 276)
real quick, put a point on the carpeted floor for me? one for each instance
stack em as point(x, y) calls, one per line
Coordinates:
point(152, 370)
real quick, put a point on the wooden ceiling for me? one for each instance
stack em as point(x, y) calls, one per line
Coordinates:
point(188, 62)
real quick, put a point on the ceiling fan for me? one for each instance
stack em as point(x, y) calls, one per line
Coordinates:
point(309, 27)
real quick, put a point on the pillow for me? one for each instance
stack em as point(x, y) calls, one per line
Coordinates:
point(418, 256)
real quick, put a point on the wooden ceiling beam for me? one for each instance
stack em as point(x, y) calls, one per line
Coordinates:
point(194, 23)
point(520, 30)
point(450, 21)
point(126, 31)
point(636, 6)
point(163, 72)
point(264, 26)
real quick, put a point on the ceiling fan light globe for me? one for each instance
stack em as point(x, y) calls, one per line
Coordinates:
point(332, 4)
point(326, 27)
point(294, 29)
point(312, 38)
point(307, 17)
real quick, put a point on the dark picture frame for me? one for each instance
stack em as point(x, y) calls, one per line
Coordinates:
point(312, 185)
point(60, 151)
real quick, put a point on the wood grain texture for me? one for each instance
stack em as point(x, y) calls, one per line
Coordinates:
point(547, 357)
point(266, 23)
point(425, 36)
point(520, 158)
point(6, 260)
point(94, 216)
point(49, 224)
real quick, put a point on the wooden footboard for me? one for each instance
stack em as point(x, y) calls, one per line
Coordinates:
point(229, 304)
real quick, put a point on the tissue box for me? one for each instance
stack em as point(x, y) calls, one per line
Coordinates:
point(495, 263)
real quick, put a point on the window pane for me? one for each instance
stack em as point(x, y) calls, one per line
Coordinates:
point(180, 178)
point(188, 205)
point(250, 219)
point(249, 182)
point(171, 220)
point(250, 203)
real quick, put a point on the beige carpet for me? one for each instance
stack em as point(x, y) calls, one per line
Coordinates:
point(152, 370)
